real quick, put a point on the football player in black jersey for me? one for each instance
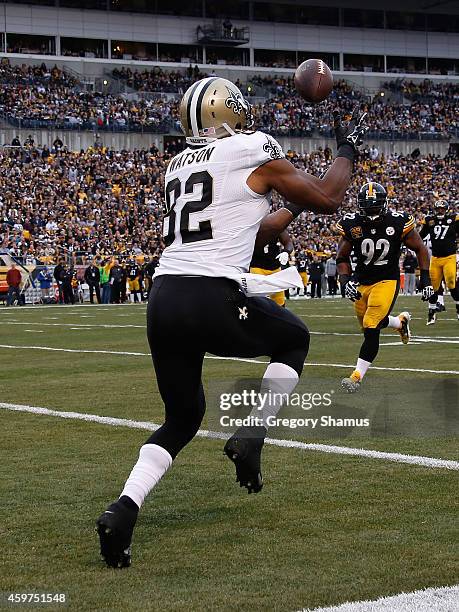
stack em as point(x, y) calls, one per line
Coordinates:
point(302, 267)
point(269, 259)
point(443, 228)
point(375, 235)
point(134, 280)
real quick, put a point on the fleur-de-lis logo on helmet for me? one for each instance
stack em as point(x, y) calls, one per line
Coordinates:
point(238, 103)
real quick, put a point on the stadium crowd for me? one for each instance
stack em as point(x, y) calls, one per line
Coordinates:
point(35, 97)
point(172, 81)
point(101, 203)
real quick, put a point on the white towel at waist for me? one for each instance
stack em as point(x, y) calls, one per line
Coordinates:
point(257, 284)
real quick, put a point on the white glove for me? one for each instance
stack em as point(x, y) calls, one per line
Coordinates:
point(427, 293)
point(283, 258)
point(351, 291)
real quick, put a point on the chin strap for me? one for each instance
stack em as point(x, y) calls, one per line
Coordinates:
point(230, 131)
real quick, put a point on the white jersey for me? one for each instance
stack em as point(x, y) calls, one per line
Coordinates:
point(211, 215)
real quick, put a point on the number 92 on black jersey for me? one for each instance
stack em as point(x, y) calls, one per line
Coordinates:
point(376, 244)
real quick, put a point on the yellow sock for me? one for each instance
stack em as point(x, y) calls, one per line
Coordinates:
point(355, 376)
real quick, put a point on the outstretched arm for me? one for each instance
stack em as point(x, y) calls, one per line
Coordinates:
point(321, 195)
point(304, 191)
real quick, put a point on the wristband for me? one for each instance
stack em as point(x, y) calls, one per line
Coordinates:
point(346, 150)
point(425, 279)
point(344, 279)
point(294, 209)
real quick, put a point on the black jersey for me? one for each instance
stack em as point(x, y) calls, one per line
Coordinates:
point(376, 244)
point(265, 258)
point(302, 265)
point(133, 271)
point(442, 233)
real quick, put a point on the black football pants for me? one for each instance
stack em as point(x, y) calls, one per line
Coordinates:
point(190, 316)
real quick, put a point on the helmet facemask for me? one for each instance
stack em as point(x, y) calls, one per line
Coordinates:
point(372, 202)
point(441, 208)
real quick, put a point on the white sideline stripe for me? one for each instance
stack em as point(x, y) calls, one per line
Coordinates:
point(307, 315)
point(48, 307)
point(65, 350)
point(449, 339)
point(441, 599)
point(243, 359)
point(429, 462)
point(103, 325)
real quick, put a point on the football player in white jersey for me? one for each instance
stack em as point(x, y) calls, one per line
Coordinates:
point(217, 199)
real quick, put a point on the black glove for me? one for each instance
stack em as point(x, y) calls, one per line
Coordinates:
point(351, 291)
point(350, 288)
point(427, 293)
point(349, 136)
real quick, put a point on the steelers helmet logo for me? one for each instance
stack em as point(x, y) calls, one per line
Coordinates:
point(390, 231)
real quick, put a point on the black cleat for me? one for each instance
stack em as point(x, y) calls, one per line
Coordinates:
point(244, 449)
point(431, 317)
point(115, 527)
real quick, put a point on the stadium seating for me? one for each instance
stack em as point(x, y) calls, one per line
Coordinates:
point(105, 202)
point(35, 97)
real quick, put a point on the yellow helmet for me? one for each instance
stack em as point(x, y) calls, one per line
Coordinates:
point(214, 108)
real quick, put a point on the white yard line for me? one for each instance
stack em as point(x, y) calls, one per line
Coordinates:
point(49, 307)
point(429, 462)
point(439, 339)
point(442, 599)
point(243, 359)
point(101, 325)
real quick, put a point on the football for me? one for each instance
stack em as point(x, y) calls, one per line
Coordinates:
point(313, 80)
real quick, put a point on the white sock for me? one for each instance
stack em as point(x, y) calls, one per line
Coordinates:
point(278, 382)
point(153, 463)
point(432, 307)
point(441, 299)
point(394, 322)
point(362, 367)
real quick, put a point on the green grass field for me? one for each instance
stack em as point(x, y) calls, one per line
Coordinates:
point(325, 529)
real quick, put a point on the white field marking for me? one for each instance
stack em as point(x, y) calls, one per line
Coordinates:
point(441, 599)
point(243, 359)
point(81, 328)
point(431, 462)
point(437, 340)
point(34, 331)
point(307, 315)
point(414, 339)
point(396, 343)
point(87, 316)
point(48, 307)
point(66, 350)
point(449, 339)
point(116, 325)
